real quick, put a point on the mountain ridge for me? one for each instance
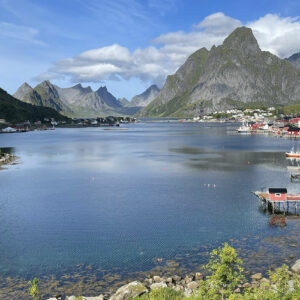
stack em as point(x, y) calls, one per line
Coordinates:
point(236, 71)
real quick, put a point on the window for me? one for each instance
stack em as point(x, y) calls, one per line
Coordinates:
point(277, 195)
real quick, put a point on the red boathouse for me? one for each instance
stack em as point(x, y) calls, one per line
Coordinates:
point(277, 194)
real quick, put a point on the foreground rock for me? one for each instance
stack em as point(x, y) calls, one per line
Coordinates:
point(130, 290)
point(296, 266)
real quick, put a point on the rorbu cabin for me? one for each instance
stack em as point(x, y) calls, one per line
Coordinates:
point(277, 194)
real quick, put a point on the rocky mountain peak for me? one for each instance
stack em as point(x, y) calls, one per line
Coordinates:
point(243, 40)
point(79, 87)
point(22, 91)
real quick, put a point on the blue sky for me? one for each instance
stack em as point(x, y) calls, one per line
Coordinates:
point(128, 44)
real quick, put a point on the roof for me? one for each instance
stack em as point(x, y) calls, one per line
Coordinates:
point(277, 190)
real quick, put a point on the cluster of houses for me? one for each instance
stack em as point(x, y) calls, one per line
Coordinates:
point(50, 123)
point(46, 124)
point(238, 115)
point(103, 121)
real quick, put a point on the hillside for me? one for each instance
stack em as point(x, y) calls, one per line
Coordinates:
point(13, 110)
point(75, 101)
point(235, 72)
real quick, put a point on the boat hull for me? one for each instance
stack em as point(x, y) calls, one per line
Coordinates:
point(293, 155)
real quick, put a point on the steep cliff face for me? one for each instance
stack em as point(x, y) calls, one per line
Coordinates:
point(235, 71)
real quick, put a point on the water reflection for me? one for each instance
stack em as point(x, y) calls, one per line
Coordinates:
point(209, 159)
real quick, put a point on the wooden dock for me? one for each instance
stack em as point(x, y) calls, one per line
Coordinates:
point(287, 203)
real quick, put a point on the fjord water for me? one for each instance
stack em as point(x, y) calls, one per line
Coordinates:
point(119, 198)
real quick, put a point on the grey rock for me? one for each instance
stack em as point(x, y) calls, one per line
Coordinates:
point(178, 288)
point(158, 285)
point(192, 285)
point(188, 292)
point(296, 266)
point(198, 276)
point(130, 290)
point(257, 276)
point(169, 280)
point(23, 90)
point(291, 285)
point(176, 278)
point(158, 279)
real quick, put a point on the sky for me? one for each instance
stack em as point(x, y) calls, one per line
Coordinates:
point(128, 45)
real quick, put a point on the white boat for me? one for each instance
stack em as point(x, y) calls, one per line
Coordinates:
point(245, 128)
point(293, 153)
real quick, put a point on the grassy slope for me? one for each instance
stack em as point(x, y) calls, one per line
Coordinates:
point(14, 110)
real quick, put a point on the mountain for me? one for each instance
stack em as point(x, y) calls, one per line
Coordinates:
point(295, 60)
point(146, 97)
point(75, 101)
point(24, 89)
point(235, 72)
point(44, 94)
point(124, 101)
point(108, 98)
point(14, 110)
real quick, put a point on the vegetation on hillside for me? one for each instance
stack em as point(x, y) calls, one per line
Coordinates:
point(13, 110)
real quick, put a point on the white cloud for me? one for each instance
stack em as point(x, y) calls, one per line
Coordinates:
point(28, 34)
point(280, 36)
point(168, 51)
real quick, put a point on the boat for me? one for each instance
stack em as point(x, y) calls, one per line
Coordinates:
point(293, 153)
point(245, 129)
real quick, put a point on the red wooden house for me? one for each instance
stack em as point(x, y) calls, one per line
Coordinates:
point(277, 194)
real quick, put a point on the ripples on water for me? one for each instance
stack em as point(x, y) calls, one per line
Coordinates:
point(89, 200)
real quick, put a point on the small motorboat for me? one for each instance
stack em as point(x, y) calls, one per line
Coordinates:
point(293, 153)
point(244, 129)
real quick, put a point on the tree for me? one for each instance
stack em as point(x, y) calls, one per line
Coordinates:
point(226, 273)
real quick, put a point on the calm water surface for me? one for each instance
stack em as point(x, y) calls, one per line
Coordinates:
point(112, 198)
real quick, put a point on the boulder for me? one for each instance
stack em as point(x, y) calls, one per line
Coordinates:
point(169, 280)
point(158, 285)
point(265, 280)
point(198, 276)
point(188, 292)
point(192, 285)
point(296, 266)
point(178, 288)
point(148, 281)
point(157, 279)
point(246, 285)
point(130, 290)
point(176, 278)
point(257, 276)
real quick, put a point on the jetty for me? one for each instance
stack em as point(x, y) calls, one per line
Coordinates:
point(278, 199)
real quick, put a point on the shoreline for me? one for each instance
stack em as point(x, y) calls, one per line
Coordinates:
point(94, 282)
point(6, 159)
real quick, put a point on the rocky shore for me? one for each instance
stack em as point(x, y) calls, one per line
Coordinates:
point(188, 285)
point(6, 158)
